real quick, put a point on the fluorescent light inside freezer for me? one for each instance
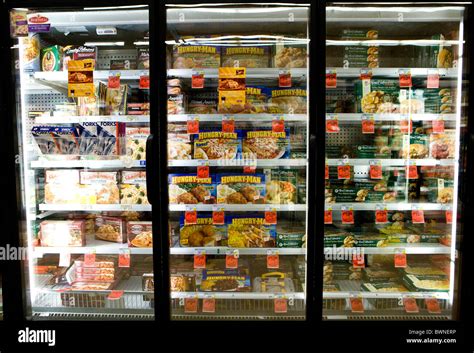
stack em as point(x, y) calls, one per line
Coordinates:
point(104, 44)
point(238, 3)
point(265, 10)
point(114, 7)
point(393, 9)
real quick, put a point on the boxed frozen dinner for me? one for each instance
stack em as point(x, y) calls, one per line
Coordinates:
point(203, 233)
point(189, 189)
point(62, 233)
point(103, 186)
point(250, 231)
point(266, 144)
point(287, 101)
point(240, 188)
point(281, 186)
point(133, 188)
point(140, 234)
point(136, 138)
point(196, 56)
point(51, 58)
point(226, 280)
point(110, 229)
point(253, 57)
point(31, 53)
point(216, 144)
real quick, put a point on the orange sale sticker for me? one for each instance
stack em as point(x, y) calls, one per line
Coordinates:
point(278, 125)
point(400, 259)
point(200, 259)
point(438, 126)
point(432, 305)
point(410, 305)
point(347, 216)
point(273, 259)
point(280, 305)
point(328, 217)
point(190, 305)
point(228, 125)
point(209, 305)
point(375, 171)
point(381, 216)
point(449, 216)
point(417, 216)
point(344, 171)
point(357, 305)
point(192, 126)
point(332, 125)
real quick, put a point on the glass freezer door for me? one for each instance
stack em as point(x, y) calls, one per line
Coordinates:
point(395, 121)
point(237, 160)
point(83, 119)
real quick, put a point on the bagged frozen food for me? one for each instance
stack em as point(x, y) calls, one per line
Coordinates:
point(31, 53)
point(189, 189)
point(241, 188)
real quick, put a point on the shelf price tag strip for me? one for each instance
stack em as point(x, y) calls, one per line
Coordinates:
point(332, 124)
point(209, 304)
point(357, 304)
point(273, 259)
point(232, 258)
point(400, 258)
point(124, 257)
point(368, 124)
point(199, 259)
point(410, 305)
point(280, 304)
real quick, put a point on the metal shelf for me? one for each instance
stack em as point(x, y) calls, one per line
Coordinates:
point(241, 162)
point(95, 207)
point(416, 248)
point(82, 119)
point(61, 76)
point(238, 208)
point(255, 118)
point(402, 206)
point(236, 295)
point(100, 247)
point(393, 162)
point(250, 73)
point(355, 117)
point(92, 164)
point(242, 251)
point(350, 288)
point(392, 72)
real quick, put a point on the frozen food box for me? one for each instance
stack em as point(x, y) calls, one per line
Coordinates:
point(427, 283)
point(189, 189)
point(203, 233)
point(266, 144)
point(253, 57)
point(45, 139)
point(273, 282)
point(250, 231)
point(256, 102)
point(123, 64)
point(110, 136)
point(216, 144)
point(383, 287)
point(202, 106)
point(133, 194)
point(179, 146)
point(380, 275)
point(31, 53)
point(176, 104)
point(51, 58)
point(62, 233)
point(136, 138)
point(290, 235)
point(143, 58)
point(359, 33)
point(287, 57)
point(241, 188)
point(339, 239)
point(111, 229)
point(81, 52)
point(227, 280)
point(62, 176)
point(287, 101)
point(196, 56)
point(281, 186)
point(140, 234)
point(442, 145)
point(103, 185)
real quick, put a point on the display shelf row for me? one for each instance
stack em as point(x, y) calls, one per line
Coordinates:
point(45, 119)
point(391, 72)
point(401, 206)
point(409, 248)
point(237, 295)
point(301, 162)
point(91, 164)
point(392, 162)
point(355, 117)
point(255, 118)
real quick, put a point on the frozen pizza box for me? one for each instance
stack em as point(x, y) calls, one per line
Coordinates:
point(250, 231)
point(203, 233)
point(216, 144)
point(240, 188)
point(266, 144)
point(189, 189)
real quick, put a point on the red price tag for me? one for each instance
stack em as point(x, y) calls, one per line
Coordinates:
point(331, 79)
point(190, 305)
point(449, 216)
point(381, 216)
point(406, 126)
point(368, 125)
point(190, 217)
point(192, 126)
point(432, 305)
point(144, 82)
point(400, 259)
point(375, 171)
point(115, 295)
point(218, 217)
point(410, 305)
point(347, 216)
point(365, 74)
point(271, 217)
point(438, 126)
point(249, 169)
point(357, 305)
point(209, 305)
point(358, 261)
point(203, 171)
point(412, 172)
point(197, 81)
point(200, 259)
point(273, 259)
point(432, 80)
point(228, 125)
point(417, 216)
point(284, 79)
point(344, 171)
point(231, 260)
point(332, 125)
point(280, 305)
point(405, 78)
point(328, 217)
point(326, 172)
point(113, 81)
point(89, 259)
point(124, 258)
point(278, 125)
